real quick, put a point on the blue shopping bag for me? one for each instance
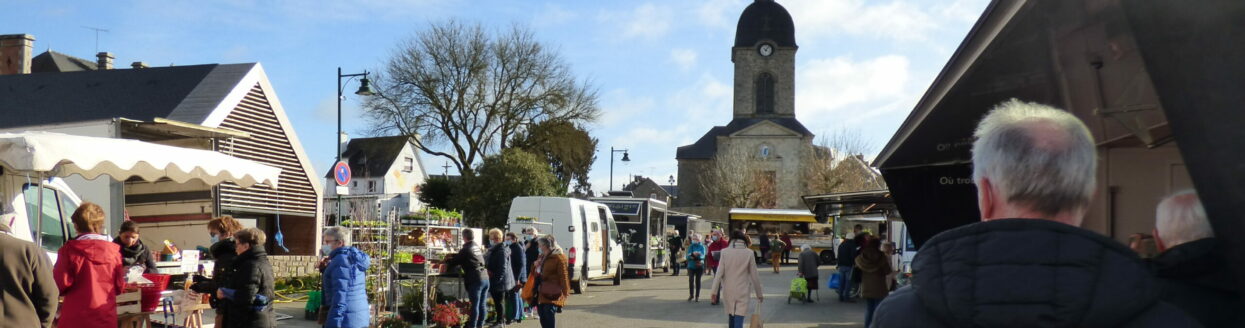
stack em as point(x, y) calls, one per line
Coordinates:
point(836, 281)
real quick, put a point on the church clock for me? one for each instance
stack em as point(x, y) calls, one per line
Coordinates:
point(765, 50)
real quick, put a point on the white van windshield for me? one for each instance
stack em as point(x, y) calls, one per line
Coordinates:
point(52, 233)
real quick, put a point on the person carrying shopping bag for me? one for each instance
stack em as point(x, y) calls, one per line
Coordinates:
point(737, 276)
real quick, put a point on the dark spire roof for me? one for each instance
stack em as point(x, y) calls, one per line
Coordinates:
point(765, 19)
point(707, 146)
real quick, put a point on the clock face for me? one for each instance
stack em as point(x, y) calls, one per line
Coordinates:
point(766, 50)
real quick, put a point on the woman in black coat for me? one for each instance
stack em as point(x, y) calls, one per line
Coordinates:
point(250, 288)
point(221, 231)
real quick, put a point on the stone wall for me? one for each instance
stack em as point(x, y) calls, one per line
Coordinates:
point(293, 266)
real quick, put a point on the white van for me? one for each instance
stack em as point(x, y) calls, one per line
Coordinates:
point(585, 229)
point(19, 196)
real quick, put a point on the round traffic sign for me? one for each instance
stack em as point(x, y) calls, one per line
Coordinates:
point(341, 173)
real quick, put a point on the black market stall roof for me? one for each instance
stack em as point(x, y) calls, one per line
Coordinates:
point(855, 203)
point(1085, 56)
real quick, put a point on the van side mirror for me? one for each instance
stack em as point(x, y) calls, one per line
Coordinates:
point(570, 228)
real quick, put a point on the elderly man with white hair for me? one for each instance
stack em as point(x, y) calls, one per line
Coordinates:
point(1191, 266)
point(1028, 264)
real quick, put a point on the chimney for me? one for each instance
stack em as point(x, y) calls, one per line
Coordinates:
point(105, 61)
point(138, 65)
point(15, 53)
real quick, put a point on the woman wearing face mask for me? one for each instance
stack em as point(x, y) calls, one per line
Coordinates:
point(695, 267)
point(345, 283)
point(250, 289)
point(221, 231)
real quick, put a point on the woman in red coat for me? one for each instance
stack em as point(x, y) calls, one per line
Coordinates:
point(89, 274)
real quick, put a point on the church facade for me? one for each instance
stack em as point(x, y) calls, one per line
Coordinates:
point(763, 129)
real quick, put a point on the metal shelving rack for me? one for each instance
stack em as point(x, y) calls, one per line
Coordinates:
point(430, 279)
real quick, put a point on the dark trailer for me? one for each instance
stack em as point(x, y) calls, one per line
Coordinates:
point(642, 224)
point(1159, 83)
point(683, 221)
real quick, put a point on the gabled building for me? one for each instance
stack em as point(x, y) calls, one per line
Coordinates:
point(229, 108)
point(386, 173)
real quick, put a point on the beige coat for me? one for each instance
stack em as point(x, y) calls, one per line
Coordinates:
point(737, 276)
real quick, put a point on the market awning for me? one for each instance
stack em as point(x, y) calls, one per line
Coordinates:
point(63, 155)
point(752, 214)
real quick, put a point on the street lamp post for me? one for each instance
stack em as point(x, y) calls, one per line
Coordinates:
point(365, 89)
point(624, 159)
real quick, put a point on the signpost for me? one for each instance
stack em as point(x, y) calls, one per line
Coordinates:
point(341, 174)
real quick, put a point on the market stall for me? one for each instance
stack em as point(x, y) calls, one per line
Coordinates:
point(422, 280)
point(30, 161)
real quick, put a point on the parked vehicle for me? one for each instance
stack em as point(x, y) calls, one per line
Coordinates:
point(642, 223)
point(586, 229)
point(21, 201)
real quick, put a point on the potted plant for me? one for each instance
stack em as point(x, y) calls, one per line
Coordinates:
point(391, 322)
point(447, 315)
point(412, 309)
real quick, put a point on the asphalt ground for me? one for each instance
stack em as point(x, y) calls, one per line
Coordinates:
point(662, 302)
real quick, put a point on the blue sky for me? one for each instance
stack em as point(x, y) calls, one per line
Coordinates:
point(662, 67)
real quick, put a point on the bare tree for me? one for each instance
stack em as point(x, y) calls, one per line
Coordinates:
point(468, 90)
point(837, 164)
point(737, 178)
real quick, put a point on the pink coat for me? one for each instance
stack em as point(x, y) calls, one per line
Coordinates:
point(737, 276)
point(89, 275)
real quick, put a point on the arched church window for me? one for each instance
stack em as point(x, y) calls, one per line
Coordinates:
point(765, 94)
point(764, 151)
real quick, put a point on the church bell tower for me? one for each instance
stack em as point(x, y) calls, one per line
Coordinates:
point(764, 57)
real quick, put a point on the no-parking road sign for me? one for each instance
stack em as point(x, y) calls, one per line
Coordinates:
point(341, 173)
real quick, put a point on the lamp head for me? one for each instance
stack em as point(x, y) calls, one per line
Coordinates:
point(626, 158)
point(365, 88)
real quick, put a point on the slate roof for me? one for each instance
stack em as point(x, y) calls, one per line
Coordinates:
point(765, 19)
point(372, 157)
point(707, 145)
point(51, 62)
point(183, 93)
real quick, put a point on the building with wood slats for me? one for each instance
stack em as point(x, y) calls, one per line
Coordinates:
point(229, 108)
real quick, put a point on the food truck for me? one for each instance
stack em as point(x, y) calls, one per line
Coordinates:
point(799, 225)
point(683, 223)
point(642, 225)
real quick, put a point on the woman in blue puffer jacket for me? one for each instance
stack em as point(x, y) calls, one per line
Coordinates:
point(345, 283)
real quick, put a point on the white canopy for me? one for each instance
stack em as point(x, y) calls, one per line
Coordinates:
point(64, 155)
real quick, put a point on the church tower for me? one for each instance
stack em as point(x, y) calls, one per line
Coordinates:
point(764, 57)
point(763, 134)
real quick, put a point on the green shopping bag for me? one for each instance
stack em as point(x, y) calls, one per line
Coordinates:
point(799, 286)
point(313, 301)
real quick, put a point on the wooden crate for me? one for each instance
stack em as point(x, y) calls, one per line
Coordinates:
point(129, 302)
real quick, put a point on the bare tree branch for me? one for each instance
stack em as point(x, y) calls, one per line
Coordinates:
point(468, 90)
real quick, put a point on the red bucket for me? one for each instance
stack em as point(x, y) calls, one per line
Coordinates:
point(151, 293)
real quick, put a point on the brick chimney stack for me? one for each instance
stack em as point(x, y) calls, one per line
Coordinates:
point(105, 61)
point(15, 53)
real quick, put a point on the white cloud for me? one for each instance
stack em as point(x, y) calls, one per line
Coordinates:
point(554, 15)
point(685, 58)
point(648, 21)
point(896, 20)
point(705, 102)
point(829, 86)
point(717, 13)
